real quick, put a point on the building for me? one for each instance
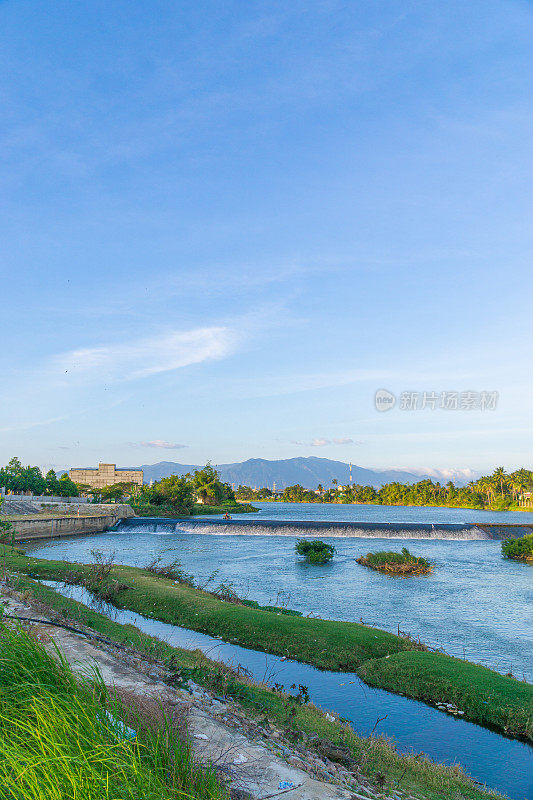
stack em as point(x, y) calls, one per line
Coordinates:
point(105, 475)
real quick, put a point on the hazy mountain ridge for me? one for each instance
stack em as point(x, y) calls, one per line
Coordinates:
point(307, 471)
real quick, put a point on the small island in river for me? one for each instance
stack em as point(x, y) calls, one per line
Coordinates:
point(393, 563)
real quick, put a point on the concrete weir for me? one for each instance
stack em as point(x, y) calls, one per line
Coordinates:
point(382, 530)
point(50, 526)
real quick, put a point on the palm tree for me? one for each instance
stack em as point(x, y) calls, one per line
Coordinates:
point(500, 478)
point(486, 486)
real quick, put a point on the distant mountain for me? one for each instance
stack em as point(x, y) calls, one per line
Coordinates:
point(308, 472)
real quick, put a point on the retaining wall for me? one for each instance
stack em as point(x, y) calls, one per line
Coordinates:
point(49, 528)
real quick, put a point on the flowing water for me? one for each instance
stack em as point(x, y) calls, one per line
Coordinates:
point(475, 605)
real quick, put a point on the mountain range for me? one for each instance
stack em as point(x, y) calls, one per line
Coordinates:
point(308, 472)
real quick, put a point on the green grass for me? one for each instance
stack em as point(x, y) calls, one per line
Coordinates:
point(341, 646)
point(373, 757)
point(485, 696)
point(326, 644)
point(57, 743)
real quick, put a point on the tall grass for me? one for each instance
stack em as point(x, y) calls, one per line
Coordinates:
point(58, 743)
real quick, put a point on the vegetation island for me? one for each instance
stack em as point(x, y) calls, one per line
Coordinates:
point(314, 551)
point(393, 563)
point(519, 549)
point(498, 492)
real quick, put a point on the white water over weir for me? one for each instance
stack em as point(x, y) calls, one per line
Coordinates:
point(379, 530)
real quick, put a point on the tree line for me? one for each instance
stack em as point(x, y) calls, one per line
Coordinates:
point(498, 491)
point(16, 478)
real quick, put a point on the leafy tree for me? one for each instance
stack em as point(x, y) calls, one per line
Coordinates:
point(208, 486)
point(116, 491)
point(520, 549)
point(67, 488)
point(501, 479)
point(52, 483)
point(176, 490)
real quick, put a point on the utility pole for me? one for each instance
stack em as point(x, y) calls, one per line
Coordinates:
point(351, 473)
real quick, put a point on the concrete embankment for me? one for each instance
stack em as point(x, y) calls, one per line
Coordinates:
point(47, 526)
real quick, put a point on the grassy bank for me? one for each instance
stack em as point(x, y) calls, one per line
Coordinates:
point(485, 696)
point(168, 510)
point(374, 758)
point(62, 736)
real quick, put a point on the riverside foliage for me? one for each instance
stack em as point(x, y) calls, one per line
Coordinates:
point(19, 479)
point(498, 491)
point(179, 494)
point(519, 549)
point(380, 658)
point(372, 756)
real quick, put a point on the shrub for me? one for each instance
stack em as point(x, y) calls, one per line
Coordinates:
point(173, 571)
point(315, 551)
point(519, 549)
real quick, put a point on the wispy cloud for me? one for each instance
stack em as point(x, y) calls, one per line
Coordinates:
point(25, 426)
point(321, 442)
point(160, 445)
point(144, 357)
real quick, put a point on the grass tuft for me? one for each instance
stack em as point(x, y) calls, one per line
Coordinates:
point(56, 741)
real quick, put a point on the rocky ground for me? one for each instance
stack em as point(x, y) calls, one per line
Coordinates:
point(255, 759)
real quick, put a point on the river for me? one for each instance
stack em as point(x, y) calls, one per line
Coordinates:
point(475, 605)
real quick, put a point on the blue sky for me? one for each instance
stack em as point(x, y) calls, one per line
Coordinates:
point(224, 226)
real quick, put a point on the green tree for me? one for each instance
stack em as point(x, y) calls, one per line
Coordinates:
point(67, 488)
point(52, 483)
point(208, 486)
point(501, 479)
point(176, 490)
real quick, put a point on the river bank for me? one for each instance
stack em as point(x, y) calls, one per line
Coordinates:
point(485, 696)
point(199, 509)
point(315, 741)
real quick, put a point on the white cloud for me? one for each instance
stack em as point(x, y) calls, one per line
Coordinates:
point(126, 361)
point(159, 444)
point(457, 475)
point(321, 442)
